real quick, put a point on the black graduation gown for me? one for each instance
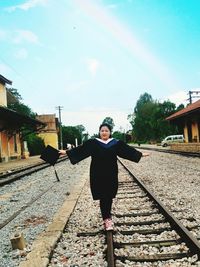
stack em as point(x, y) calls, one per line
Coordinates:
point(103, 168)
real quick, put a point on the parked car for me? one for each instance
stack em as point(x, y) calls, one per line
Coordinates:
point(178, 138)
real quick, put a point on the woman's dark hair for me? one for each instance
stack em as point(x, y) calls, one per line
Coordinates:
point(106, 125)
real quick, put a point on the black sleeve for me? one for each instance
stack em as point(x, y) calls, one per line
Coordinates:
point(127, 152)
point(79, 153)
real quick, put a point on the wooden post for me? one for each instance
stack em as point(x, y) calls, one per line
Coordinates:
point(18, 241)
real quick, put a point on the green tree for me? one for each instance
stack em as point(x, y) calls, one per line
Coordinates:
point(160, 126)
point(144, 99)
point(15, 93)
point(142, 119)
point(148, 120)
point(81, 128)
point(181, 106)
point(35, 143)
point(70, 133)
point(85, 136)
point(118, 135)
point(109, 121)
point(19, 106)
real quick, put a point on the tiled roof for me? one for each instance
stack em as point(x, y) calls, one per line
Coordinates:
point(4, 80)
point(189, 109)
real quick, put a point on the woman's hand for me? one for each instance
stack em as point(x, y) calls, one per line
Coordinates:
point(145, 154)
point(62, 152)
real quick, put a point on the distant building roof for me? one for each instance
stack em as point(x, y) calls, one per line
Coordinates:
point(185, 111)
point(12, 119)
point(4, 80)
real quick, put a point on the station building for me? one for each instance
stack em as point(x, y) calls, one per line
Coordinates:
point(50, 132)
point(188, 119)
point(11, 143)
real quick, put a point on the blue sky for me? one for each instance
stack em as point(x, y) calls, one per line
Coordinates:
point(96, 57)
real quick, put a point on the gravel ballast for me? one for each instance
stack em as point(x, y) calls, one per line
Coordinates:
point(35, 219)
point(174, 180)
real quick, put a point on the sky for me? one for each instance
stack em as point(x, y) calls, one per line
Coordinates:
point(95, 58)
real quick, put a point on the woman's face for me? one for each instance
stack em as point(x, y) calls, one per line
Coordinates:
point(104, 133)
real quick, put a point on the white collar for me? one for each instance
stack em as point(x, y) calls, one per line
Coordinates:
point(105, 142)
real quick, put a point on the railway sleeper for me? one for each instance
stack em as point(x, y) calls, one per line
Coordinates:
point(141, 222)
point(155, 257)
point(144, 231)
point(135, 214)
point(129, 193)
point(154, 243)
point(131, 197)
point(90, 233)
point(150, 207)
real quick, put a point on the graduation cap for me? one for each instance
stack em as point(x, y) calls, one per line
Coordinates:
point(50, 155)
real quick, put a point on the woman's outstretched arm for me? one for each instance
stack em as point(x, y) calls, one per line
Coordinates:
point(62, 152)
point(145, 154)
point(78, 153)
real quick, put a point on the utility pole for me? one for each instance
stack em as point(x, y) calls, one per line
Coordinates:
point(192, 96)
point(59, 108)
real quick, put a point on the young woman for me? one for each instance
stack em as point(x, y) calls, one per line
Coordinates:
point(103, 169)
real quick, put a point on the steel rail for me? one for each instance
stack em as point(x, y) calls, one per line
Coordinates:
point(182, 153)
point(192, 243)
point(18, 174)
point(16, 213)
point(188, 238)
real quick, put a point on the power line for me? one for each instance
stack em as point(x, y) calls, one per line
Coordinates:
point(11, 67)
point(193, 96)
point(24, 78)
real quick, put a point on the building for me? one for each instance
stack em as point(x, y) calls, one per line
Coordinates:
point(49, 133)
point(189, 120)
point(11, 143)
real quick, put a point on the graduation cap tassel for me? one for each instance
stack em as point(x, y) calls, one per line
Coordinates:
point(51, 155)
point(56, 174)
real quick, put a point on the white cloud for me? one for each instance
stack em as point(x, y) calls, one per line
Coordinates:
point(21, 53)
point(179, 97)
point(91, 118)
point(93, 65)
point(27, 5)
point(25, 36)
point(19, 36)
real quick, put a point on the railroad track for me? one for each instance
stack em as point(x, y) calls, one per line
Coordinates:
point(182, 153)
point(29, 205)
point(152, 221)
point(19, 173)
point(146, 232)
point(17, 212)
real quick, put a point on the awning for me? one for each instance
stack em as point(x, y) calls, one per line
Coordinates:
point(12, 120)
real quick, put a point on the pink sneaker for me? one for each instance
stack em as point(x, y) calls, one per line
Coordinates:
point(108, 224)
